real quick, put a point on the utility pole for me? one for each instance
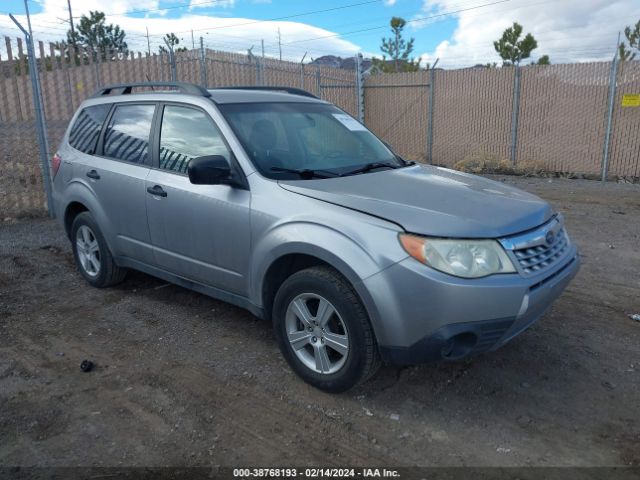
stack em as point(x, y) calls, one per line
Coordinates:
point(73, 30)
point(148, 43)
point(262, 47)
point(193, 41)
point(280, 43)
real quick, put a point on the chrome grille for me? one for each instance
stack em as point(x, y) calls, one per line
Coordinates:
point(538, 258)
point(538, 250)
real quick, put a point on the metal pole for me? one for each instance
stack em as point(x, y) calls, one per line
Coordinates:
point(253, 57)
point(318, 84)
point(96, 63)
point(432, 82)
point(148, 43)
point(302, 71)
point(515, 112)
point(360, 87)
point(73, 32)
point(41, 126)
point(280, 43)
point(261, 64)
point(203, 65)
point(607, 138)
point(172, 61)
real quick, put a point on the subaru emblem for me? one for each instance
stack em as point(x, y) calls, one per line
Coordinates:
point(550, 238)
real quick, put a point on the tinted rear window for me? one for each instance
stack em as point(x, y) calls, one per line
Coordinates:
point(86, 129)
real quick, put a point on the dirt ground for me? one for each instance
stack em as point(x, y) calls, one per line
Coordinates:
point(182, 379)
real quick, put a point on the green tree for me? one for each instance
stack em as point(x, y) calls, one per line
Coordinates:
point(172, 40)
point(93, 33)
point(633, 39)
point(511, 48)
point(544, 60)
point(398, 50)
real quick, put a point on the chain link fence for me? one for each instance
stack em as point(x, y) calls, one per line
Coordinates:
point(556, 115)
point(69, 79)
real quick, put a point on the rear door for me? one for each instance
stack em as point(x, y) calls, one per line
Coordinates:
point(117, 174)
point(200, 232)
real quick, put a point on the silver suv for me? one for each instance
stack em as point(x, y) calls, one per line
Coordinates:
point(281, 203)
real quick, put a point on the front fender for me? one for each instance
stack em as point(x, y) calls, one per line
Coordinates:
point(352, 259)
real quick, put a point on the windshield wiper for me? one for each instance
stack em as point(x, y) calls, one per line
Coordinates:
point(370, 166)
point(305, 173)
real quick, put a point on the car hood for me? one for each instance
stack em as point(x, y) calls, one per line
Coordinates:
point(432, 201)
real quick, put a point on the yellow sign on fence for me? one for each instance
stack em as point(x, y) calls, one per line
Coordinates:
point(631, 100)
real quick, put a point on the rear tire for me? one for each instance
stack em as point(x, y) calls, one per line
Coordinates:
point(323, 330)
point(92, 255)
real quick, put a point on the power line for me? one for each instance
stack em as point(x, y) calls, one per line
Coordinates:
point(286, 17)
point(343, 34)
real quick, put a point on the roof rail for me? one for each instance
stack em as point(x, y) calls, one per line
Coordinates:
point(182, 87)
point(291, 90)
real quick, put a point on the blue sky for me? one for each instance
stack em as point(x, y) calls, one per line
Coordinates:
point(460, 34)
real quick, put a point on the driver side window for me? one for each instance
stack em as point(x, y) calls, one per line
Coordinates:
point(187, 133)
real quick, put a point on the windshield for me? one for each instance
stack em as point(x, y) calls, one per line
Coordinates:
point(306, 140)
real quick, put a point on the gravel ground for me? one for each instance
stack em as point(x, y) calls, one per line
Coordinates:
point(182, 379)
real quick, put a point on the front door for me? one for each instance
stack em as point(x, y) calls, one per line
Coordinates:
point(200, 232)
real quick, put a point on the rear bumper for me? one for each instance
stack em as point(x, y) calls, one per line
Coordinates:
point(421, 315)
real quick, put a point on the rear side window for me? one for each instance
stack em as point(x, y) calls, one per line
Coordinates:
point(127, 135)
point(86, 129)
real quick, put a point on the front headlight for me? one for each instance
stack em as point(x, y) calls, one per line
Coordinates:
point(462, 258)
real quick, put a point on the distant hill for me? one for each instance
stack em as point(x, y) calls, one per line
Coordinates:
point(348, 63)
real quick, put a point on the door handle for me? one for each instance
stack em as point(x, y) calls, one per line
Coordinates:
point(157, 190)
point(93, 174)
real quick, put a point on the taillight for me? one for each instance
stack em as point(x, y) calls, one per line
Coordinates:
point(55, 164)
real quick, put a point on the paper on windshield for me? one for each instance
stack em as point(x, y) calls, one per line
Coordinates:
point(349, 122)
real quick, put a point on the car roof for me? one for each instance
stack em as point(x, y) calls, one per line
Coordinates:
point(230, 95)
point(188, 91)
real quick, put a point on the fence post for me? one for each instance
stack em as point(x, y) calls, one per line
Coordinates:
point(431, 87)
point(302, 71)
point(203, 65)
point(515, 113)
point(318, 84)
point(97, 62)
point(172, 61)
point(613, 76)
point(258, 72)
point(360, 87)
point(261, 70)
point(41, 126)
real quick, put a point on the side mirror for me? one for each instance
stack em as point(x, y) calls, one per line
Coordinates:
point(209, 170)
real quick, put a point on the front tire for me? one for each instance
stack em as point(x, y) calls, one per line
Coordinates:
point(92, 255)
point(323, 330)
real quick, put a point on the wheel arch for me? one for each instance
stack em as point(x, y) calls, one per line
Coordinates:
point(79, 198)
point(334, 250)
point(72, 210)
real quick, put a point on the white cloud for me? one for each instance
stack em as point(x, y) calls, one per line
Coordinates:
point(389, 3)
point(209, 4)
point(223, 33)
point(566, 30)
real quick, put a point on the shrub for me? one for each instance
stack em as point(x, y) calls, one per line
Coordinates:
point(492, 164)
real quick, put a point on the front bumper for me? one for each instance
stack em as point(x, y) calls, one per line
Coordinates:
point(421, 315)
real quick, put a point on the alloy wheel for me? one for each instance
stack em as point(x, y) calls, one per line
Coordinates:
point(88, 251)
point(317, 333)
